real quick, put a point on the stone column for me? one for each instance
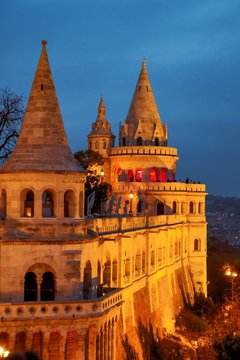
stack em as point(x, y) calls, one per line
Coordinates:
point(37, 204)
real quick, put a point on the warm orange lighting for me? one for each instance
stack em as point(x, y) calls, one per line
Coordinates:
point(234, 274)
point(28, 212)
point(3, 353)
point(131, 195)
point(228, 273)
point(102, 172)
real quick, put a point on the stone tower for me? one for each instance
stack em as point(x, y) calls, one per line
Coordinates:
point(101, 138)
point(42, 159)
point(143, 125)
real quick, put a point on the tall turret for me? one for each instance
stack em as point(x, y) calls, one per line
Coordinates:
point(42, 144)
point(143, 125)
point(101, 138)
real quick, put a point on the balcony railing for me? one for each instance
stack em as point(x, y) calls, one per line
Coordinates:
point(144, 150)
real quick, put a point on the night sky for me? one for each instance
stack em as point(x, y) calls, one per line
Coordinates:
point(96, 47)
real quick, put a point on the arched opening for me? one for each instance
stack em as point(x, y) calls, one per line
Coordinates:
point(138, 264)
point(139, 206)
point(139, 141)
point(27, 203)
point(37, 343)
point(81, 204)
point(107, 273)
point(47, 287)
point(47, 204)
point(69, 208)
point(153, 175)
point(191, 207)
point(90, 145)
point(160, 208)
point(104, 144)
point(138, 176)
point(114, 272)
point(156, 141)
point(30, 287)
point(197, 244)
point(130, 175)
point(163, 175)
point(127, 268)
point(123, 141)
point(87, 281)
point(174, 207)
point(4, 339)
point(99, 280)
point(96, 145)
point(152, 258)
point(3, 204)
point(20, 341)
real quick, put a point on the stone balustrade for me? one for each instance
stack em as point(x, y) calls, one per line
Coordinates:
point(163, 187)
point(118, 224)
point(144, 150)
point(63, 309)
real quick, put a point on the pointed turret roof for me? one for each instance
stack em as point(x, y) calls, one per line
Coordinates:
point(42, 144)
point(101, 126)
point(143, 109)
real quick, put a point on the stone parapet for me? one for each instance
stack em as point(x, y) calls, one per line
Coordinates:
point(144, 150)
point(63, 309)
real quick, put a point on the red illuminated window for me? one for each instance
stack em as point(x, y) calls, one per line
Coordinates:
point(153, 175)
point(163, 175)
point(138, 175)
point(130, 175)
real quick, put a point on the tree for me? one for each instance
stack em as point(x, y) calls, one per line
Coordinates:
point(11, 115)
point(90, 160)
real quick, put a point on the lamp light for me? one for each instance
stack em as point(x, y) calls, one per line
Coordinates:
point(3, 353)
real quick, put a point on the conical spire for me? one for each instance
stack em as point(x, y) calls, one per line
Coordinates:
point(42, 143)
point(101, 125)
point(143, 111)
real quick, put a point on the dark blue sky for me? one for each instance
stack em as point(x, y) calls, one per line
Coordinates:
point(96, 47)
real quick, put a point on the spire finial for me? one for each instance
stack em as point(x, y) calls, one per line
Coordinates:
point(44, 42)
point(144, 62)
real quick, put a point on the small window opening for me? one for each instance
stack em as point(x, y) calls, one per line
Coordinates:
point(41, 86)
point(139, 88)
point(147, 88)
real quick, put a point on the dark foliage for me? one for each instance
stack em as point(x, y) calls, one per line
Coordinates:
point(229, 348)
point(130, 352)
point(88, 160)
point(11, 115)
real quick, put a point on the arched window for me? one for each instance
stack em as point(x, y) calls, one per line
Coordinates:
point(197, 245)
point(47, 287)
point(29, 204)
point(139, 141)
point(96, 145)
point(160, 208)
point(104, 144)
point(163, 175)
point(47, 204)
point(153, 175)
point(191, 207)
point(174, 208)
point(123, 141)
point(3, 204)
point(156, 141)
point(69, 204)
point(138, 176)
point(139, 206)
point(30, 287)
point(90, 145)
point(130, 175)
point(87, 281)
